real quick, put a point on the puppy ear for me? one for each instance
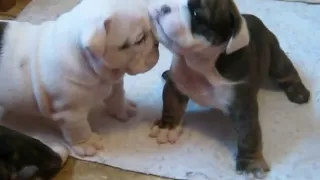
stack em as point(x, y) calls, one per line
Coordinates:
point(240, 39)
point(93, 38)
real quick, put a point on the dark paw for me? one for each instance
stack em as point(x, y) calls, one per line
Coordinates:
point(297, 93)
point(256, 167)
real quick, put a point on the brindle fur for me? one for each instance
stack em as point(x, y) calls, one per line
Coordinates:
point(19, 151)
point(262, 58)
point(174, 105)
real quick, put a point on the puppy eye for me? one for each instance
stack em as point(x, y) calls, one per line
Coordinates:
point(200, 16)
point(194, 13)
point(126, 45)
point(165, 9)
point(141, 39)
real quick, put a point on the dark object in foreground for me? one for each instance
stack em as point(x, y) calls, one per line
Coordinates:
point(19, 151)
point(6, 5)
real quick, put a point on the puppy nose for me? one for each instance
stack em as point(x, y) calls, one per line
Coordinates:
point(165, 9)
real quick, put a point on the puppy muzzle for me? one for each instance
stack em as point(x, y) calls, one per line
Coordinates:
point(143, 66)
point(171, 25)
point(157, 13)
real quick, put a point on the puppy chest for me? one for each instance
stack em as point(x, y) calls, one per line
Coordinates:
point(199, 89)
point(101, 91)
point(218, 97)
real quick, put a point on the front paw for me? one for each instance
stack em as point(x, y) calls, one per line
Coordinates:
point(89, 147)
point(257, 167)
point(297, 93)
point(124, 113)
point(163, 133)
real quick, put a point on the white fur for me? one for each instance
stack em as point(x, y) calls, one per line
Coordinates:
point(216, 93)
point(62, 68)
point(241, 40)
point(173, 29)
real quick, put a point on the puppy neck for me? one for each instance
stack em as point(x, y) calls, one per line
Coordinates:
point(99, 70)
point(89, 70)
point(203, 62)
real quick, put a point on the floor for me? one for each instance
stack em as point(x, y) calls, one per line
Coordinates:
point(13, 12)
point(81, 170)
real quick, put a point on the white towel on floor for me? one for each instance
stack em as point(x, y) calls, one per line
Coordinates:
point(206, 149)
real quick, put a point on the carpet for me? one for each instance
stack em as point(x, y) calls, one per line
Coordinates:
point(206, 149)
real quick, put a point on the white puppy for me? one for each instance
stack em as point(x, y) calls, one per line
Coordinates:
point(62, 68)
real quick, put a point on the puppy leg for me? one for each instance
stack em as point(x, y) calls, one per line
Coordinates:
point(244, 114)
point(286, 76)
point(77, 131)
point(168, 128)
point(118, 106)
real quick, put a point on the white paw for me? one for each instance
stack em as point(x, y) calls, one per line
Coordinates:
point(125, 113)
point(255, 176)
point(90, 147)
point(165, 135)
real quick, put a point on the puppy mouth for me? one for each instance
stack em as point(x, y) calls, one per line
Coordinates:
point(156, 23)
point(162, 35)
point(117, 73)
point(131, 73)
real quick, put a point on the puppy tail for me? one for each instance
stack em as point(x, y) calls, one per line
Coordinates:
point(61, 150)
point(165, 75)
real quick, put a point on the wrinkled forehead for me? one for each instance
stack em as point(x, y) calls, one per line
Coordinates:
point(175, 4)
point(177, 8)
point(133, 18)
point(127, 26)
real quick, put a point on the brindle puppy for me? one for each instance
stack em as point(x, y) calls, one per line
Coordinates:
point(18, 151)
point(237, 73)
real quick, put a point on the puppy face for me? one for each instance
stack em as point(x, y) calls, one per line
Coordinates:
point(190, 23)
point(131, 43)
point(172, 25)
point(219, 22)
point(123, 41)
point(213, 19)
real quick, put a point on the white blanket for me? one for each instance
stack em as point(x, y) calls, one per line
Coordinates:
point(206, 150)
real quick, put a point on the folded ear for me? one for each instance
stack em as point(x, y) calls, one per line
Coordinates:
point(240, 39)
point(93, 38)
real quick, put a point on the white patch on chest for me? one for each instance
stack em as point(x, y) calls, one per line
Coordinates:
point(213, 91)
point(223, 97)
